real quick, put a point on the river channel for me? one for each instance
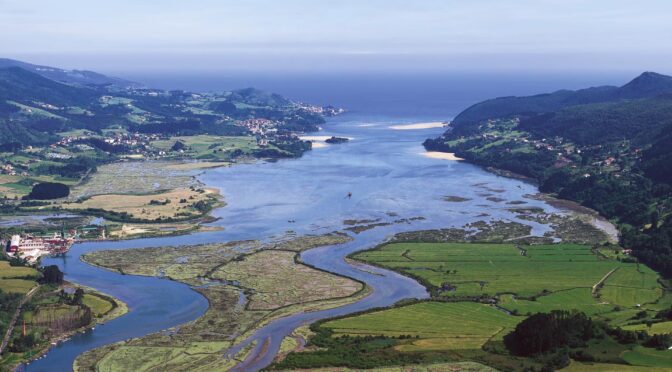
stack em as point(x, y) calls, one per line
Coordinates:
point(390, 180)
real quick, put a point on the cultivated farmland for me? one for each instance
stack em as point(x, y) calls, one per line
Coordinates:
point(16, 279)
point(431, 325)
point(527, 278)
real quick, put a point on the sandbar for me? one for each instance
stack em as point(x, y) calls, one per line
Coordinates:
point(428, 125)
point(441, 155)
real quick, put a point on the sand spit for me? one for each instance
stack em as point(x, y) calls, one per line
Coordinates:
point(428, 125)
point(441, 155)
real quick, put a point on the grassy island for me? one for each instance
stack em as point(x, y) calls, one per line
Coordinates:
point(241, 298)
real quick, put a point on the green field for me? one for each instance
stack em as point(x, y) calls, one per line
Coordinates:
point(437, 325)
point(99, 306)
point(656, 328)
point(646, 357)
point(470, 269)
point(578, 299)
point(13, 279)
point(632, 287)
point(210, 147)
point(604, 367)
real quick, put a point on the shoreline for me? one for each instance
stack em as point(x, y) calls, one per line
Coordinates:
point(598, 221)
point(118, 310)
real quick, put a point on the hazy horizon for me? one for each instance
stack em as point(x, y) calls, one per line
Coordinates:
point(350, 36)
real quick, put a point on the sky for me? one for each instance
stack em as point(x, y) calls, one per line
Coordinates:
point(334, 35)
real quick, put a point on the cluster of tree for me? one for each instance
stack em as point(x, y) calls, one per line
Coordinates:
point(75, 299)
point(21, 343)
point(638, 121)
point(179, 145)
point(652, 245)
point(294, 148)
point(541, 333)
point(657, 160)
point(11, 146)
point(556, 337)
point(302, 121)
point(71, 168)
point(351, 352)
point(52, 275)
point(8, 304)
point(15, 131)
point(48, 191)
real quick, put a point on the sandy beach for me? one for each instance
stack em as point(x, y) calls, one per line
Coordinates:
point(441, 155)
point(428, 125)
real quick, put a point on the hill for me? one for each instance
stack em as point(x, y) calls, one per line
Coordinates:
point(647, 85)
point(55, 131)
point(639, 121)
point(607, 148)
point(19, 85)
point(72, 77)
point(33, 101)
point(256, 97)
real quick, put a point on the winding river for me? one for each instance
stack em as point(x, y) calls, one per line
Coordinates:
point(390, 180)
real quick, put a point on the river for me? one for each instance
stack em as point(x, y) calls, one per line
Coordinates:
point(389, 179)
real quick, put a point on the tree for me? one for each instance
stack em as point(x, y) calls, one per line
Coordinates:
point(78, 296)
point(23, 343)
point(52, 275)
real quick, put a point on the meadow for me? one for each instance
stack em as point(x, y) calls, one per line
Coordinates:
point(538, 276)
point(17, 279)
point(210, 147)
point(431, 325)
point(648, 357)
point(18, 186)
point(177, 204)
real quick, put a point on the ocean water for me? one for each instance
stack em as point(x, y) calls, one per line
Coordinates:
point(404, 95)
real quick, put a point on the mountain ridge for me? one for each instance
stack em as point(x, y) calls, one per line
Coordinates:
point(646, 85)
point(71, 77)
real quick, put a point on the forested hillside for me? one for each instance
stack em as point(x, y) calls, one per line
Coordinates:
point(607, 148)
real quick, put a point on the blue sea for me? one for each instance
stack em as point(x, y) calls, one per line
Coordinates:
point(402, 95)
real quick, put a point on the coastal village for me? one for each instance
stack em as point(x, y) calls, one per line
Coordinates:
point(614, 158)
point(133, 145)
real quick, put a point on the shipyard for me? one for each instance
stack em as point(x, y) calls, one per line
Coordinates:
point(31, 248)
